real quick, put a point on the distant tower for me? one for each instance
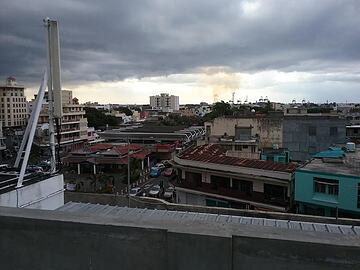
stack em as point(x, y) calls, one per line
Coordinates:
point(233, 98)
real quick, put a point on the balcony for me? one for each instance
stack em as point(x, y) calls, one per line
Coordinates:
point(256, 197)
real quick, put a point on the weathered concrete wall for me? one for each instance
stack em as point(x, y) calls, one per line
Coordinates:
point(301, 145)
point(269, 129)
point(34, 239)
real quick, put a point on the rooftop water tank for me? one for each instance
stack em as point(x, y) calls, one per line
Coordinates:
point(350, 147)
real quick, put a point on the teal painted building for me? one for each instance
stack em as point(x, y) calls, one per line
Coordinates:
point(280, 155)
point(329, 186)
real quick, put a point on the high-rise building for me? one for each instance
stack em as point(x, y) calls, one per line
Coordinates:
point(165, 102)
point(13, 105)
point(73, 123)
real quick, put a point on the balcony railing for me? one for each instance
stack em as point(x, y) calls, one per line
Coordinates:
point(253, 196)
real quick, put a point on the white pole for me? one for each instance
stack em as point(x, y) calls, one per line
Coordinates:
point(26, 134)
point(50, 97)
point(128, 166)
point(32, 130)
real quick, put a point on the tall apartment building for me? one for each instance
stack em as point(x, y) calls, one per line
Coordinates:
point(13, 106)
point(165, 102)
point(73, 123)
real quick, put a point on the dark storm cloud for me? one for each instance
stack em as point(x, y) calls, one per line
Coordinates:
point(112, 40)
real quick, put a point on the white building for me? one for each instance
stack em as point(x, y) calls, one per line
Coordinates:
point(73, 124)
point(13, 106)
point(165, 102)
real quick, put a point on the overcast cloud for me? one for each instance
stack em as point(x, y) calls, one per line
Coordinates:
point(110, 41)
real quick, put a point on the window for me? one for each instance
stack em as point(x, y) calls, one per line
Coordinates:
point(326, 186)
point(333, 131)
point(275, 192)
point(208, 130)
point(242, 185)
point(238, 147)
point(312, 131)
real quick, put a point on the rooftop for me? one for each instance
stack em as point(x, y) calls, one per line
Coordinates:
point(331, 166)
point(106, 153)
point(192, 218)
point(212, 153)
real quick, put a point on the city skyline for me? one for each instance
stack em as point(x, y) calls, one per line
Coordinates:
point(124, 52)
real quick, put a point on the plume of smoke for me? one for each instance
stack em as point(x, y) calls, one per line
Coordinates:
point(222, 81)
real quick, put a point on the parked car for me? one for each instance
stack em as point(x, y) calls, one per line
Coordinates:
point(155, 172)
point(154, 191)
point(169, 172)
point(135, 191)
point(147, 186)
point(160, 166)
point(166, 163)
point(34, 169)
point(169, 193)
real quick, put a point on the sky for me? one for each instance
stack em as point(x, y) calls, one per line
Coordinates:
point(117, 51)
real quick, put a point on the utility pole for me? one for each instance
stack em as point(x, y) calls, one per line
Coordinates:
point(128, 167)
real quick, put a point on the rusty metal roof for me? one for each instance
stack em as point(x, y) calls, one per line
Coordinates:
point(212, 153)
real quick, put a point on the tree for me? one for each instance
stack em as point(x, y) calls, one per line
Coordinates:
point(219, 109)
point(125, 110)
point(97, 118)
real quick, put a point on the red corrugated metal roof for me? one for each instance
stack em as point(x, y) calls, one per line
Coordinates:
point(100, 147)
point(212, 153)
point(107, 154)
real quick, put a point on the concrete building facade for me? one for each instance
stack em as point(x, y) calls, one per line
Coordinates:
point(302, 135)
point(165, 102)
point(13, 106)
point(73, 123)
point(208, 176)
point(305, 135)
point(329, 186)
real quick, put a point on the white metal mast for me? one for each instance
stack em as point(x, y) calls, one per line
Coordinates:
point(53, 81)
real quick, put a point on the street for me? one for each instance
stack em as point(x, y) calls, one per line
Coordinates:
point(147, 186)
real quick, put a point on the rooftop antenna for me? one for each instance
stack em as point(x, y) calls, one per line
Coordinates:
point(53, 80)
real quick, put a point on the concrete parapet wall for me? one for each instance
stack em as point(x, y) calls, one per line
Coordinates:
point(36, 239)
point(153, 203)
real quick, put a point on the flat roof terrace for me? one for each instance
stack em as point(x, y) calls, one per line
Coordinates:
point(332, 167)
